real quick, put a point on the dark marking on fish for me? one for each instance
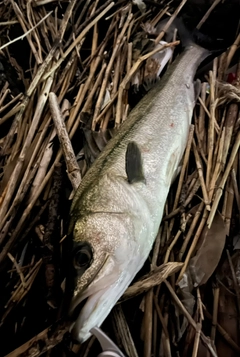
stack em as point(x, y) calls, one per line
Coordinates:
point(134, 167)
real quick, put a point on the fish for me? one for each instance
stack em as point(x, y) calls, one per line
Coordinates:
point(118, 207)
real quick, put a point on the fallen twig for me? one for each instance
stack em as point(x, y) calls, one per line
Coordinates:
point(73, 170)
point(41, 343)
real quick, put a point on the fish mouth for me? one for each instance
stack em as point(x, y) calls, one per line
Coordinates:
point(88, 307)
point(85, 311)
point(80, 298)
point(93, 304)
point(96, 303)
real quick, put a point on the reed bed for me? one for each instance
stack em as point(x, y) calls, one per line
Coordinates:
point(82, 61)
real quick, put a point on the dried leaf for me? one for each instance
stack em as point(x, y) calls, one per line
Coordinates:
point(7, 172)
point(153, 66)
point(228, 310)
point(156, 63)
point(207, 258)
point(236, 241)
point(154, 278)
point(228, 319)
point(106, 99)
point(141, 5)
point(95, 143)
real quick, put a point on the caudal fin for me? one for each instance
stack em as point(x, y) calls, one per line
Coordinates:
point(185, 35)
point(189, 37)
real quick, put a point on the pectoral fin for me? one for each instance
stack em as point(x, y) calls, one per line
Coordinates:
point(133, 163)
point(172, 168)
point(197, 89)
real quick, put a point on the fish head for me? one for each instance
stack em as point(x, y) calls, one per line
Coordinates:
point(101, 271)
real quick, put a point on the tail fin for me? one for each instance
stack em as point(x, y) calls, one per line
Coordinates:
point(186, 37)
point(189, 37)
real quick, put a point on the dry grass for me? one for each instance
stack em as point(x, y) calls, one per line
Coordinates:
point(73, 69)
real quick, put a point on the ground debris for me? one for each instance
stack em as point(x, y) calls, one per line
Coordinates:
point(70, 72)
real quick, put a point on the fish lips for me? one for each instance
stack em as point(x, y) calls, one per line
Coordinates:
point(94, 304)
point(85, 301)
point(84, 307)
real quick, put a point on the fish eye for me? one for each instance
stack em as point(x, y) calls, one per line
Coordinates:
point(83, 257)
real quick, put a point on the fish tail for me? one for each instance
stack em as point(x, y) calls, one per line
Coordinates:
point(185, 35)
point(191, 37)
point(188, 39)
